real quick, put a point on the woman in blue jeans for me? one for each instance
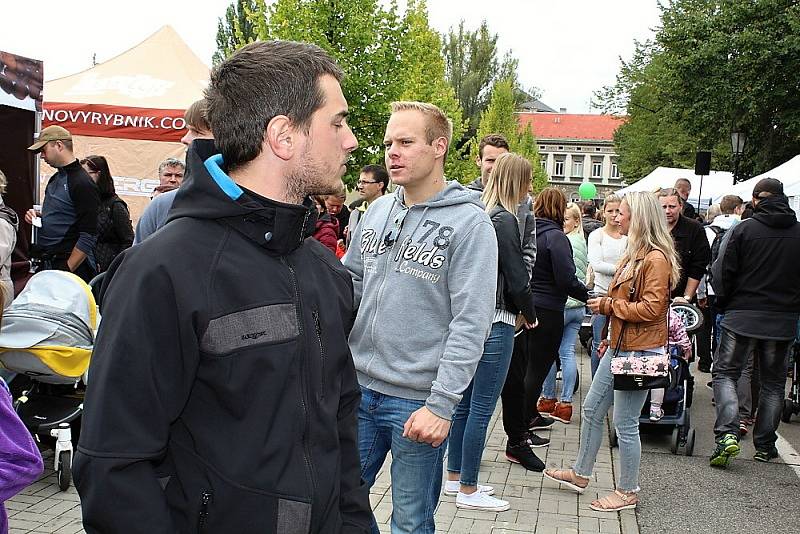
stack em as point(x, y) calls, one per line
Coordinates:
point(561, 410)
point(506, 187)
point(639, 297)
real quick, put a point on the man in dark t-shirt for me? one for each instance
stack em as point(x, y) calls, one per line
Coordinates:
point(68, 218)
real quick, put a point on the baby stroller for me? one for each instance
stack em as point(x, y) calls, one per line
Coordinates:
point(791, 405)
point(47, 335)
point(678, 395)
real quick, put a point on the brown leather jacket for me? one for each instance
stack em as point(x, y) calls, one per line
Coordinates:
point(646, 310)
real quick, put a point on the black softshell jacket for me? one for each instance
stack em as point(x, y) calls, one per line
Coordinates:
point(222, 370)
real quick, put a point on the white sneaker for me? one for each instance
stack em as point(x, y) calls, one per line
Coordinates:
point(451, 488)
point(481, 501)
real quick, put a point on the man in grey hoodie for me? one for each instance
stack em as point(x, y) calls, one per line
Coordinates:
point(424, 268)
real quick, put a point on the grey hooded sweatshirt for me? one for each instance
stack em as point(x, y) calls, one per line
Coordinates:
point(424, 279)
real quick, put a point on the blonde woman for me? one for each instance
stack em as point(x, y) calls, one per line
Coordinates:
point(606, 246)
point(506, 187)
point(561, 410)
point(639, 295)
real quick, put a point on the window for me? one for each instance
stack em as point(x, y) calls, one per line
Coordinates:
point(561, 148)
point(542, 147)
point(543, 163)
point(559, 168)
point(578, 149)
point(614, 170)
point(577, 168)
point(597, 169)
point(597, 149)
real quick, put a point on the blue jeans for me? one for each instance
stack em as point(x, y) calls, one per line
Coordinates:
point(627, 407)
point(416, 467)
point(573, 317)
point(472, 415)
point(598, 323)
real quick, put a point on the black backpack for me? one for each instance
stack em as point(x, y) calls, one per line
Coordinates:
point(719, 233)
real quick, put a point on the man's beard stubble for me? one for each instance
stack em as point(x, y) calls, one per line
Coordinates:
point(308, 180)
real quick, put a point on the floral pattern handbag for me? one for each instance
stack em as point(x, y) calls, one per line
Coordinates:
point(638, 371)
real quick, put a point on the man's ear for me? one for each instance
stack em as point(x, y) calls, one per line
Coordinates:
point(280, 137)
point(440, 147)
point(478, 161)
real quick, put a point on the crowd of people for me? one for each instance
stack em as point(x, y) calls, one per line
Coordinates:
point(273, 373)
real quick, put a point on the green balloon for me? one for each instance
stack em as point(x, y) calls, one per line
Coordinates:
point(587, 191)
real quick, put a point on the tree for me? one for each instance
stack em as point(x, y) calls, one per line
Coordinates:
point(500, 117)
point(715, 66)
point(472, 68)
point(235, 29)
point(424, 78)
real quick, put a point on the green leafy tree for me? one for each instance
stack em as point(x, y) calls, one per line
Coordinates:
point(235, 29)
point(472, 68)
point(424, 80)
point(500, 117)
point(714, 66)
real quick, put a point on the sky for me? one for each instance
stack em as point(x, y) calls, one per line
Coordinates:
point(566, 48)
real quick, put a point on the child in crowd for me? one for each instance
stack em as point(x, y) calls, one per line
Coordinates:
point(677, 338)
point(20, 461)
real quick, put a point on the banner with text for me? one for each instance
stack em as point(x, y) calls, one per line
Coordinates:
point(116, 121)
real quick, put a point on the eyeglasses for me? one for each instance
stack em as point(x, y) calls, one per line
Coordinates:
point(364, 182)
point(394, 233)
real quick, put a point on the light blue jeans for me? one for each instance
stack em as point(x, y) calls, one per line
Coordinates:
point(598, 323)
point(416, 467)
point(472, 415)
point(627, 408)
point(573, 317)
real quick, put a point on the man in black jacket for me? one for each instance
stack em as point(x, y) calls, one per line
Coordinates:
point(223, 395)
point(68, 218)
point(757, 283)
point(690, 242)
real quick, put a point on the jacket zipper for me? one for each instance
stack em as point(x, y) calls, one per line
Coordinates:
point(318, 328)
point(303, 379)
point(205, 499)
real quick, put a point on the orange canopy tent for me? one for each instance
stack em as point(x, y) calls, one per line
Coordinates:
point(130, 110)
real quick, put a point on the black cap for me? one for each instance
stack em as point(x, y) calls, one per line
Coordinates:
point(768, 185)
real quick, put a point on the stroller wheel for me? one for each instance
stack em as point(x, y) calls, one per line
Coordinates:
point(689, 447)
point(674, 442)
point(788, 410)
point(64, 470)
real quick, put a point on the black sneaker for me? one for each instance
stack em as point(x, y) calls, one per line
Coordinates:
point(541, 422)
point(766, 456)
point(522, 454)
point(537, 441)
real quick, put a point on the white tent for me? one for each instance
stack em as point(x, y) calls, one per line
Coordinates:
point(788, 173)
point(717, 184)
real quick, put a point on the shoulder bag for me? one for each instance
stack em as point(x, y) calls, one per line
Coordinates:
point(638, 372)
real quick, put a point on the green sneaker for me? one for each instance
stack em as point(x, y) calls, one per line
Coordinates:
point(766, 456)
point(727, 448)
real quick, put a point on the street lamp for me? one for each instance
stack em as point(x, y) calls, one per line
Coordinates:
point(738, 139)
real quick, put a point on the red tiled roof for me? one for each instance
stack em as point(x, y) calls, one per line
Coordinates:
point(571, 126)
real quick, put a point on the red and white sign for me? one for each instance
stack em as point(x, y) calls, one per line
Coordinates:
point(98, 120)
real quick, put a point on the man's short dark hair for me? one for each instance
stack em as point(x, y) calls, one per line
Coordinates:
point(379, 174)
point(495, 140)
point(729, 203)
point(195, 116)
point(259, 82)
point(589, 209)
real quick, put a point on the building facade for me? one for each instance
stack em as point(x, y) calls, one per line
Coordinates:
point(577, 148)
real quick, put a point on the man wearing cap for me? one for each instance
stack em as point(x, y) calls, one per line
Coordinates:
point(757, 283)
point(68, 231)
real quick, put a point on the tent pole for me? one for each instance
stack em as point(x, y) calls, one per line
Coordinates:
point(700, 196)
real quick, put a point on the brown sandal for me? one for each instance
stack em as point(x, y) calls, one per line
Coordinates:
point(568, 478)
point(614, 502)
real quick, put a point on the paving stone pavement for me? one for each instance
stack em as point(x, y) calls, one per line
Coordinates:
point(537, 505)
